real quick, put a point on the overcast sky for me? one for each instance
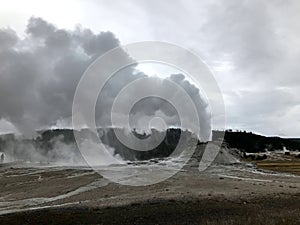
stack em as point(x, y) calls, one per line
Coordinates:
point(252, 46)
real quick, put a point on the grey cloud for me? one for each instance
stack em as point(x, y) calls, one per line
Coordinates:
point(259, 39)
point(8, 38)
point(100, 43)
point(269, 107)
point(58, 39)
point(39, 75)
point(151, 107)
point(37, 83)
point(40, 28)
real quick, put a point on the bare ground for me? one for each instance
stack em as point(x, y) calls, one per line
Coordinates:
point(220, 195)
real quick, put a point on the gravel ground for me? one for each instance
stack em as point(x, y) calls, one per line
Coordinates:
point(232, 194)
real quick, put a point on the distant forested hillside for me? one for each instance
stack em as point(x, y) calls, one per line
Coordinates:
point(54, 145)
point(57, 145)
point(250, 142)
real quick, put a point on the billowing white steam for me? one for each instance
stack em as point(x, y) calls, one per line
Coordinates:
point(40, 71)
